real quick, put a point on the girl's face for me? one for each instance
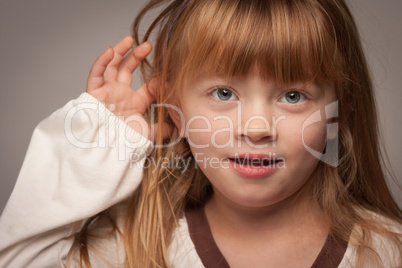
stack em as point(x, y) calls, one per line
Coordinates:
point(250, 137)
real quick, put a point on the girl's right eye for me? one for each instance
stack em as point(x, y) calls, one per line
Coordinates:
point(224, 94)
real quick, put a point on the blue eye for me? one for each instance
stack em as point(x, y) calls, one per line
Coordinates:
point(224, 94)
point(293, 97)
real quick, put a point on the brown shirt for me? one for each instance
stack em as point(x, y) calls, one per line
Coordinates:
point(330, 255)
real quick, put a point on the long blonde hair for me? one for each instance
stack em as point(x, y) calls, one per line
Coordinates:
point(289, 41)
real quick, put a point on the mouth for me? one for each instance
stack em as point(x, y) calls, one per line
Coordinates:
point(255, 165)
point(256, 160)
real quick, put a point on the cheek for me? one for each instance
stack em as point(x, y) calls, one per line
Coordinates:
point(302, 145)
point(314, 136)
point(199, 139)
point(197, 130)
point(204, 129)
point(222, 133)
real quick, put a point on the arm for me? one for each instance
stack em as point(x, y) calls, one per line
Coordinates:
point(62, 182)
point(81, 160)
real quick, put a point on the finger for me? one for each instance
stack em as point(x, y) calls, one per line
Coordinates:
point(131, 62)
point(120, 49)
point(95, 78)
point(148, 92)
point(152, 87)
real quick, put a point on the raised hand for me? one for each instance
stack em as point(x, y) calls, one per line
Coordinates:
point(110, 81)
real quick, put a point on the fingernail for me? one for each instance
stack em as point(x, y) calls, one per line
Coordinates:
point(147, 44)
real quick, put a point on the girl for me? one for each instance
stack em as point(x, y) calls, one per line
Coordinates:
point(233, 154)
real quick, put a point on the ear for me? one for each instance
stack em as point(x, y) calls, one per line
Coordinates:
point(178, 119)
point(177, 116)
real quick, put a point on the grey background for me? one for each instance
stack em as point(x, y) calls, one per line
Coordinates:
point(47, 48)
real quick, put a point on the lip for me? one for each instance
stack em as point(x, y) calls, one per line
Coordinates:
point(250, 170)
point(259, 156)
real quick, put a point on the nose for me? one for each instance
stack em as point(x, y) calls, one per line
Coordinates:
point(256, 124)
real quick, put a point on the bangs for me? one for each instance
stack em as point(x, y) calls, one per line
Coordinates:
point(285, 41)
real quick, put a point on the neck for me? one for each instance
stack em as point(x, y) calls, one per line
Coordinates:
point(297, 212)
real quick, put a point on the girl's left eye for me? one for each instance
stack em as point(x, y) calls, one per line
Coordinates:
point(293, 97)
point(224, 94)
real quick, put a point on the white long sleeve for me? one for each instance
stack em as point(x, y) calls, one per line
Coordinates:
point(81, 160)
